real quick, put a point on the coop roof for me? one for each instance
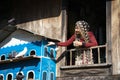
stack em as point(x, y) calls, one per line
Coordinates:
point(6, 31)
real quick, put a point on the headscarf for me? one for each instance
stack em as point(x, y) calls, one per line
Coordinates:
point(84, 28)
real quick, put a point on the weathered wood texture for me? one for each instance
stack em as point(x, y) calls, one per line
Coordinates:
point(108, 30)
point(61, 61)
point(86, 70)
point(42, 17)
point(115, 35)
point(90, 78)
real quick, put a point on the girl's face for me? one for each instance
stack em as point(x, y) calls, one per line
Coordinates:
point(77, 30)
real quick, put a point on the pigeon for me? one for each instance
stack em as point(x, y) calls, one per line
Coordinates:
point(22, 53)
point(52, 43)
point(12, 55)
point(19, 77)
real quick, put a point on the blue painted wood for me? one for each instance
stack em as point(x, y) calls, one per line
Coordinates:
point(37, 66)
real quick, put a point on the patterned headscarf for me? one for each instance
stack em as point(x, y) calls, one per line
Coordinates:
point(84, 28)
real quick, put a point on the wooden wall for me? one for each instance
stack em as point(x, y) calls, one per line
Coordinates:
point(42, 17)
point(115, 35)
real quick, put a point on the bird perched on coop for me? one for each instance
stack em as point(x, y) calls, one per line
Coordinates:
point(12, 54)
point(19, 77)
point(22, 53)
point(52, 43)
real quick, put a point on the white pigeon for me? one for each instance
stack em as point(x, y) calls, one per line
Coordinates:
point(52, 43)
point(22, 53)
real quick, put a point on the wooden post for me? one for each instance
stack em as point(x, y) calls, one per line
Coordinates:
point(106, 53)
point(98, 55)
point(115, 36)
point(70, 57)
point(91, 56)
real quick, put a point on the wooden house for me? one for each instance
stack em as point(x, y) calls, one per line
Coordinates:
point(56, 19)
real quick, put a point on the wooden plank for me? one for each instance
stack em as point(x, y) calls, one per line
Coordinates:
point(86, 70)
point(19, 59)
point(84, 57)
point(91, 56)
point(86, 66)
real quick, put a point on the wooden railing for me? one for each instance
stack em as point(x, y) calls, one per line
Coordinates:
point(96, 55)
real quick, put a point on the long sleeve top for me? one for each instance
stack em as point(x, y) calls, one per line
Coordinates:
point(91, 43)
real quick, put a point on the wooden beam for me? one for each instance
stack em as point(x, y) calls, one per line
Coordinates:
point(19, 59)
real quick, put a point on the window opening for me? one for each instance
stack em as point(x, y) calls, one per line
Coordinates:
point(30, 76)
point(1, 77)
point(3, 57)
point(51, 76)
point(44, 76)
point(32, 52)
point(46, 52)
point(52, 53)
point(19, 76)
point(9, 77)
point(93, 12)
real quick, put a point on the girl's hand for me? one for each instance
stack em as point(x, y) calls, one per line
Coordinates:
point(77, 43)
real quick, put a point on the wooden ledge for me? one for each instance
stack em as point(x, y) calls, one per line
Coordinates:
point(86, 66)
point(19, 59)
